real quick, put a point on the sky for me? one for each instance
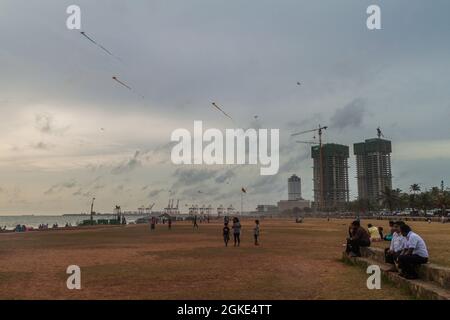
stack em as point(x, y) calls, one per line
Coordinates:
point(70, 133)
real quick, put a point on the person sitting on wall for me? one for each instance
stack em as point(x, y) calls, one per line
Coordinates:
point(380, 231)
point(398, 244)
point(414, 254)
point(374, 233)
point(359, 237)
point(388, 237)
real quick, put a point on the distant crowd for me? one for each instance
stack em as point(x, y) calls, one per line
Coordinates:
point(406, 250)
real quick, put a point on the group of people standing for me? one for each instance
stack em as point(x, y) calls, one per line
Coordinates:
point(406, 251)
point(236, 227)
point(153, 221)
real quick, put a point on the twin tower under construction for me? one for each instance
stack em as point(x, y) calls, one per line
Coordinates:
point(373, 166)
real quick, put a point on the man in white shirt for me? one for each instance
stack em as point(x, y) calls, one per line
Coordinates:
point(414, 254)
point(398, 244)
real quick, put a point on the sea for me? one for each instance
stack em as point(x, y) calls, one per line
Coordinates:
point(35, 220)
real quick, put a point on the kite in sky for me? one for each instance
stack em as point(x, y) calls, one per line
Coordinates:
point(123, 84)
point(218, 108)
point(126, 86)
point(99, 45)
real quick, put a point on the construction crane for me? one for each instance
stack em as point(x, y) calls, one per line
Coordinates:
point(379, 133)
point(319, 131)
point(148, 210)
point(92, 211)
point(307, 142)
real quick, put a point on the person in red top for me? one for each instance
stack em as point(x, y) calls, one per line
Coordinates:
point(152, 224)
point(359, 237)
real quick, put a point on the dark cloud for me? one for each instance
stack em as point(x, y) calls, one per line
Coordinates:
point(129, 165)
point(192, 176)
point(155, 193)
point(227, 175)
point(60, 187)
point(267, 184)
point(351, 115)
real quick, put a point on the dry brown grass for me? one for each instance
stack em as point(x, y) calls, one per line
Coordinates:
point(294, 261)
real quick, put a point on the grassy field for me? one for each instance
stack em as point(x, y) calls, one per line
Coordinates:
point(294, 261)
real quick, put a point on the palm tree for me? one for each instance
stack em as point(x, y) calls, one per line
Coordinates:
point(390, 198)
point(414, 188)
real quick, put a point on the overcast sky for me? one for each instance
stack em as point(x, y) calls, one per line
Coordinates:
point(69, 132)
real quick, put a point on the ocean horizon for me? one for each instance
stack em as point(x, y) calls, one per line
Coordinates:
point(11, 221)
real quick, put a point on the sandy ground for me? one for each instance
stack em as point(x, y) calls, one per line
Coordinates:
point(294, 261)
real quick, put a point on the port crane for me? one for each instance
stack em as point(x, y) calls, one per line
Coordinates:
point(92, 211)
point(148, 210)
point(319, 131)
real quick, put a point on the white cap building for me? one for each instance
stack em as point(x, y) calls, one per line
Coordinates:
point(294, 188)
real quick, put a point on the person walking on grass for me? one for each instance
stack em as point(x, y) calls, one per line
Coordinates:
point(153, 223)
point(169, 222)
point(236, 231)
point(226, 234)
point(195, 222)
point(256, 232)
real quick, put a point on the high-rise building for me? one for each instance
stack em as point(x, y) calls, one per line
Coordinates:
point(373, 167)
point(331, 167)
point(294, 188)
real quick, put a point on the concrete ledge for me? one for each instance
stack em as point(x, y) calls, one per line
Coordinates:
point(429, 272)
point(421, 289)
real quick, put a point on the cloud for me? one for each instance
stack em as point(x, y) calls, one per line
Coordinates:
point(129, 165)
point(44, 94)
point(187, 177)
point(41, 146)
point(155, 193)
point(60, 187)
point(45, 123)
point(307, 123)
point(351, 115)
point(227, 175)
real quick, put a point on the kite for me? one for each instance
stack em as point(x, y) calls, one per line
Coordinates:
point(123, 84)
point(99, 45)
point(243, 190)
point(218, 108)
point(126, 86)
point(299, 84)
